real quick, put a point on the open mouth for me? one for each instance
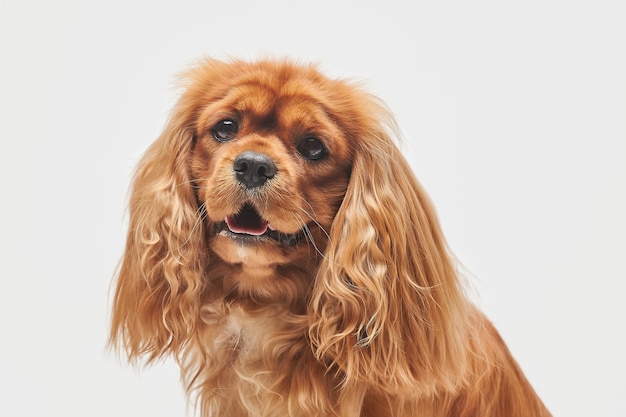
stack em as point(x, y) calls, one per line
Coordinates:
point(248, 226)
point(248, 221)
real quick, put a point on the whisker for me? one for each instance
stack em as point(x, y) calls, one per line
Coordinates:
point(310, 216)
point(202, 213)
point(307, 230)
point(309, 235)
point(193, 182)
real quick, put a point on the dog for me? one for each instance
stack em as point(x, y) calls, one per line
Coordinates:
point(282, 251)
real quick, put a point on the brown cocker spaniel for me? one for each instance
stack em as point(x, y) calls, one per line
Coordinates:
point(281, 249)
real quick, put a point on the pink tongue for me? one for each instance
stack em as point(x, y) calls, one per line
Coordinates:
point(249, 229)
point(247, 221)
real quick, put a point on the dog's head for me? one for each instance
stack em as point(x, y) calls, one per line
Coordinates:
point(270, 162)
point(275, 183)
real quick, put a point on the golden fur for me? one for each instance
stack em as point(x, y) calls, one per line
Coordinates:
point(346, 304)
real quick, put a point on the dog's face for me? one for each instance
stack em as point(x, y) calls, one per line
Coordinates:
point(270, 163)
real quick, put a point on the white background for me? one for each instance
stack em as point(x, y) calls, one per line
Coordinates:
point(513, 116)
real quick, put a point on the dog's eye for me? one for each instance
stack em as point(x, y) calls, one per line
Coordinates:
point(311, 148)
point(225, 130)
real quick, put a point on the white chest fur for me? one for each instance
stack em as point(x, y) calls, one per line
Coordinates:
point(248, 333)
point(248, 359)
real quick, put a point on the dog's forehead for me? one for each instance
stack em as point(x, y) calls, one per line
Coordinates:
point(285, 104)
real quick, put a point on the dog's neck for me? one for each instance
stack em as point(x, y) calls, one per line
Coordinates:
point(275, 284)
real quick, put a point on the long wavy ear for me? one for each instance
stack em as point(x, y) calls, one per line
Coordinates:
point(159, 282)
point(387, 307)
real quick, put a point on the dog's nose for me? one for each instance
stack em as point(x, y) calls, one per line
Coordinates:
point(253, 169)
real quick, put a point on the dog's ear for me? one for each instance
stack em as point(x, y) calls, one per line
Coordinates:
point(160, 279)
point(387, 307)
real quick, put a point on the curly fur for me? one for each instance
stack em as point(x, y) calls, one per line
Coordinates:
point(364, 315)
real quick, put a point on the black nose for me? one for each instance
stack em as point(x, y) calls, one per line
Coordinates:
point(254, 169)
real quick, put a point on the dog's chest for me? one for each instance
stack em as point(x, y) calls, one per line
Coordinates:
point(254, 355)
point(255, 337)
point(246, 334)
